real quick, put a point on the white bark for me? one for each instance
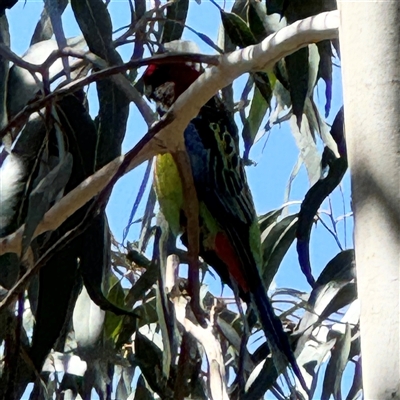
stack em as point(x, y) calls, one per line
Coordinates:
point(370, 45)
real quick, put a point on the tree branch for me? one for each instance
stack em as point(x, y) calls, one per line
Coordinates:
point(170, 138)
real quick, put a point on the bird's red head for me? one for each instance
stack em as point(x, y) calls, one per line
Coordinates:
point(164, 83)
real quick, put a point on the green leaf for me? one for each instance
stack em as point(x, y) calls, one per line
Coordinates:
point(258, 108)
point(356, 386)
point(149, 358)
point(142, 392)
point(297, 70)
point(275, 6)
point(177, 11)
point(237, 29)
point(276, 244)
point(88, 320)
point(44, 29)
point(325, 71)
point(269, 219)
point(318, 192)
point(264, 85)
point(262, 378)
point(336, 366)
point(340, 268)
point(255, 14)
point(345, 295)
point(240, 8)
point(43, 195)
point(95, 22)
point(113, 322)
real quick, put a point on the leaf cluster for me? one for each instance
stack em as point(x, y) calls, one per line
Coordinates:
point(91, 313)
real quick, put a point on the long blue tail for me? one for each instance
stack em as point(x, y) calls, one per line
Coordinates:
point(277, 338)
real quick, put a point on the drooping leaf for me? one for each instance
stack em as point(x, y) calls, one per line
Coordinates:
point(240, 8)
point(124, 386)
point(237, 29)
point(177, 11)
point(294, 10)
point(145, 231)
point(340, 268)
point(275, 6)
point(267, 220)
point(206, 39)
point(276, 244)
point(143, 284)
point(140, 9)
point(336, 366)
point(333, 290)
point(258, 108)
point(317, 194)
point(142, 392)
point(255, 14)
point(148, 357)
point(44, 29)
point(188, 377)
point(345, 295)
point(263, 83)
point(138, 199)
point(262, 378)
point(113, 322)
point(325, 71)
point(95, 262)
point(95, 22)
point(298, 75)
point(293, 174)
point(356, 386)
point(309, 152)
point(88, 320)
point(43, 195)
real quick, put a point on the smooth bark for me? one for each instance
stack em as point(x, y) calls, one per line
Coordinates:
point(370, 46)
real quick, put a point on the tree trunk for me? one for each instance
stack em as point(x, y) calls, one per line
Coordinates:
point(370, 46)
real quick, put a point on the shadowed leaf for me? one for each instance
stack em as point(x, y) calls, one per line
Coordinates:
point(297, 71)
point(176, 19)
point(237, 29)
point(276, 244)
point(336, 366)
point(43, 195)
point(325, 71)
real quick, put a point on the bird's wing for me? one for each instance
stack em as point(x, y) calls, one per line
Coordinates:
point(212, 144)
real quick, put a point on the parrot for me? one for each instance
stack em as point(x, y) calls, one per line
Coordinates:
point(229, 235)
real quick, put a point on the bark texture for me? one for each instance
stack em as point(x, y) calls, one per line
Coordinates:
point(370, 46)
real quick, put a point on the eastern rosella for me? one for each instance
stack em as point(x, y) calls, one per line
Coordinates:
point(229, 231)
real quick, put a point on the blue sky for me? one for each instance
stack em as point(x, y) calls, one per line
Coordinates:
point(274, 158)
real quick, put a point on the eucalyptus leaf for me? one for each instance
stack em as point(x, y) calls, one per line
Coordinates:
point(276, 244)
point(336, 366)
point(297, 67)
point(237, 29)
point(43, 195)
point(258, 108)
point(176, 19)
point(88, 320)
